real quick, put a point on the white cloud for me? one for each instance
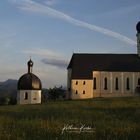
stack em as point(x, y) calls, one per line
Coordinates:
point(29, 5)
point(51, 58)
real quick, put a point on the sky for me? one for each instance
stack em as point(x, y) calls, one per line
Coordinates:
point(50, 31)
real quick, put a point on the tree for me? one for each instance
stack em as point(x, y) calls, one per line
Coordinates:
point(4, 100)
point(13, 100)
point(56, 93)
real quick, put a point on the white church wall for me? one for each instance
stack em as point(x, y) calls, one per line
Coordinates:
point(136, 79)
point(117, 89)
point(127, 83)
point(35, 96)
point(81, 89)
point(103, 83)
point(32, 94)
point(96, 84)
point(122, 89)
point(21, 99)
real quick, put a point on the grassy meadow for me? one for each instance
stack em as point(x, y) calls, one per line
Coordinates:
point(111, 119)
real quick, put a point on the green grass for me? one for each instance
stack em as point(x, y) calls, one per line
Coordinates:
point(112, 119)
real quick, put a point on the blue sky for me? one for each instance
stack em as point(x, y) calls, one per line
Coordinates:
point(50, 31)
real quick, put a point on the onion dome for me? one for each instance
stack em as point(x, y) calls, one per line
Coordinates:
point(29, 81)
point(138, 27)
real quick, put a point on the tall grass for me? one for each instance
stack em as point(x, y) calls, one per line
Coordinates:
point(111, 118)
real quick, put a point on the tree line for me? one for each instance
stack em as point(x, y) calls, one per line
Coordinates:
point(51, 94)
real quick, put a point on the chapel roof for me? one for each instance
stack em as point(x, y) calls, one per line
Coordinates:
point(29, 81)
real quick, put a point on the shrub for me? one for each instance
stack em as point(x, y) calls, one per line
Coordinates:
point(8, 100)
point(56, 93)
point(4, 100)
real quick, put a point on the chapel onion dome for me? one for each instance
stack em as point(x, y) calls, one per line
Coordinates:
point(29, 81)
point(138, 27)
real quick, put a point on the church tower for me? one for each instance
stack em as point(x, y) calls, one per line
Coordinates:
point(138, 38)
point(29, 87)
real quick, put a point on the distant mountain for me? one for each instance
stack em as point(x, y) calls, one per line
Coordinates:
point(8, 88)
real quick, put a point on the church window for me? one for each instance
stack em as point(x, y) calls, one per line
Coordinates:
point(84, 82)
point(26, 96)
point(105, 83)
point(116, 84)
point(84, 92)
point(94, 83)
point(76, 92)
point(76, 83)
point(127, 84)
point(139, 81)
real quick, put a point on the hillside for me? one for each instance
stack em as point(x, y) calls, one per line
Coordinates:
point(99, 119)
point(8, 88)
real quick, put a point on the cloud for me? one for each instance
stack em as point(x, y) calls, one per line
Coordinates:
point(31, 6)
point(53, 58)
point(60, 63)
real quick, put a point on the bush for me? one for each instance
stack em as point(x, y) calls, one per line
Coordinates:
point(7, 100)
point(56, 93)
point(4, 100)
point(13, 100)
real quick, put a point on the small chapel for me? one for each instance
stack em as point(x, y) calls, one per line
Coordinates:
point(29, 87)
point(104, 75)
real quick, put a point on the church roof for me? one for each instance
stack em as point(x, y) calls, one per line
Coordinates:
point(29, 81)
point(82, 65)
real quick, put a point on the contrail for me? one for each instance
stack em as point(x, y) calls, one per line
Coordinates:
point(29, 5)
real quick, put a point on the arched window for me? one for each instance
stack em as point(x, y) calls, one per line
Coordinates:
point(84, 82)
point(26, 96)
point(76, 83)
point(76, 92)
point(94, 83)
point(105, 83)
point(139, 81)
point(116, 84)
point(127, 84)
point(84, 92)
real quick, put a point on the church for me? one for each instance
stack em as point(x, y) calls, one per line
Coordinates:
point(104, 75)
point(29, 87)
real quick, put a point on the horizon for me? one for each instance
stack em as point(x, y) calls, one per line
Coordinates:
point(50, 31)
